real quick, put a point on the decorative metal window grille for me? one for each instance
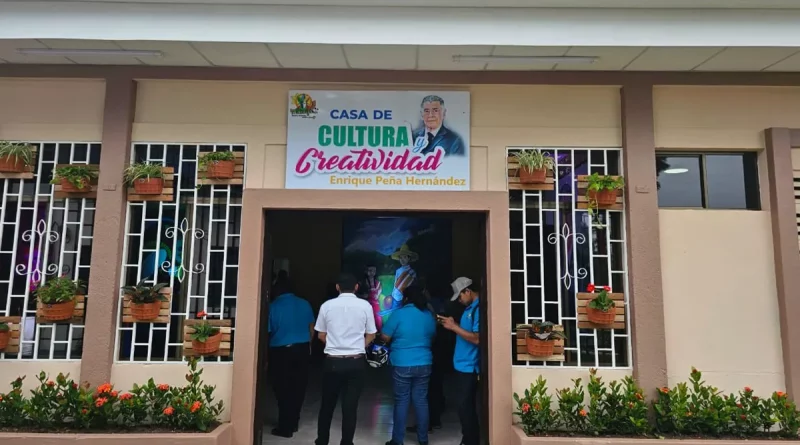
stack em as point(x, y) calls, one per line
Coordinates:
point(191, 243)
point(42, 237)
point(556, 252)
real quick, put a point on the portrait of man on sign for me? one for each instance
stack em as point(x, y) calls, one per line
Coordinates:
point(433, 133)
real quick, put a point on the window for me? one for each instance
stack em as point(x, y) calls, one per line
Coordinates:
point(710, 180)
point(556, 252)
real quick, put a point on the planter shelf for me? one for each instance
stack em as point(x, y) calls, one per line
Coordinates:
point(515, 184)
point(583, 201)
point(167, 192)
point(224, 347)
point(163, 315)
point(14, 334)
point(583, 319)
point(77, 314)
point(89, 193)
point(522, 349)
point(238, 173)
point(28, 172)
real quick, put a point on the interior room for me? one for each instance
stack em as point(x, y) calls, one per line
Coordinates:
point(314, 247)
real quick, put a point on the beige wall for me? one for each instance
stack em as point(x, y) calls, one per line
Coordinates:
point(11, 369)
point(255, 114)
point(51, 110)
point(560, 378)
point(695, 117)
point(720, 301)
point(125, 375)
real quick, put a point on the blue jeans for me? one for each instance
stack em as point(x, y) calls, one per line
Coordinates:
point(411, 385)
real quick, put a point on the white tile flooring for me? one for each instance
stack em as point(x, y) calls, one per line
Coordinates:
point(375, 411)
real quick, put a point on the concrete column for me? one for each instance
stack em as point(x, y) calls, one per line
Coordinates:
point(787, 256)
point(109, 220)
point(644, 251)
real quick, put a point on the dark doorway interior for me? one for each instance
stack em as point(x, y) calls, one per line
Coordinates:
point(313, 247)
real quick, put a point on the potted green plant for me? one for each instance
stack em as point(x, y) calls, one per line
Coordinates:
point(601, 310)
point(218, 164)
point(541, 338)
point(533, 166)
point(74, 178)
point(145, 300)
point(601, 191)
point(15, 157)
point(206, 338)
point(146, 178)
point(5, 335)
point(57, 296)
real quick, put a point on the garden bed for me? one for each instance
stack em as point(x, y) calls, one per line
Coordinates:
point(520, 438)
point(221, 435)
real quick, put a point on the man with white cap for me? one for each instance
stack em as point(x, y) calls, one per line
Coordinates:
point(466, 359)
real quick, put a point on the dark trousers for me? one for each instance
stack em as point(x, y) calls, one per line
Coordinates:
point(436, 399)
point(288, 369)
point(467, 385)
point(342, 377)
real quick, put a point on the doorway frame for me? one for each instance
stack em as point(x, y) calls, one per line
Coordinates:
point(255, 204)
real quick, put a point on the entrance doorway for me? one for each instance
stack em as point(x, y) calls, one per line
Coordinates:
point(313, 247)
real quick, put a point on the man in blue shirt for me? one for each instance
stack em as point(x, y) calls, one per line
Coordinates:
point(466, 359)
point(291, 327)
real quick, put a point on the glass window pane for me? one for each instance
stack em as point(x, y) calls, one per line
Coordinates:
point(728, 183)
point(679, 181)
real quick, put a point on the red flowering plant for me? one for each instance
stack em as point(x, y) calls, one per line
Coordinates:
point(572, 414)
point(192, 406)
point(533, 409)
point(12, 404)
point(602, 302)
point(786, 414)
point(616, 409)
point(204, 329)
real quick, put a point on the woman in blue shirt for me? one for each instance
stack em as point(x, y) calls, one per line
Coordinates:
point(411, 330)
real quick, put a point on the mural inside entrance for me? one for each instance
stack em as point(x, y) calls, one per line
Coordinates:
point(391, 253)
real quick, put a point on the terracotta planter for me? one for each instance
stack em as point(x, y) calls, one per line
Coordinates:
point(597, 316)
point(532, 176)
point(58, 311)
point(67, 186)
point(604, 198)
point(539, 348)
point(4, 337)
point(220, 169)
point(210, 346)
point(148, 186)
point(146, 311)
point(11, 164)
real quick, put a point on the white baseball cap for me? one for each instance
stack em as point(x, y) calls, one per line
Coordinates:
point(458, 286)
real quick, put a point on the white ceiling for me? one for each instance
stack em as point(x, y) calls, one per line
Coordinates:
point(695, 4)
point(407, 57)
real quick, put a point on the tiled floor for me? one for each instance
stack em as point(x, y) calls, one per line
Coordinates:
point(375, 411)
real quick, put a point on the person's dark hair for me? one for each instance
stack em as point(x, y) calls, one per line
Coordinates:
point(281, 286)
point(347, 283)
point(413, 295)
point(474, 287)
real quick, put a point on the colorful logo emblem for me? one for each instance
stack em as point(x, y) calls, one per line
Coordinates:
point(304, 106)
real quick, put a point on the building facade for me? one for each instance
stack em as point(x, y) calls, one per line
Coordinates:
point(707, 283)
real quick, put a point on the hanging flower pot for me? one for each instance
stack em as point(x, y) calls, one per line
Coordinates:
point(209, 346)
point(148, 186)
point(11, 164)
point(74, 178)
point(218, 164)
point(5, 335)
point(146, 311)
point(220, 169)
point(601, 317)
point(15, 157)
point(603, 198)
point(539, 348)
point(58, 311)
point(538, 176)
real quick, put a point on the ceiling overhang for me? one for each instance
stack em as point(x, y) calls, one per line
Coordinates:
point(400, 26)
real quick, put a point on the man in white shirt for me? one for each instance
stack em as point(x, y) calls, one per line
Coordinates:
point(346, 325)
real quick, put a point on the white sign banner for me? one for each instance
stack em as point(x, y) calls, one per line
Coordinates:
point(378, 140)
